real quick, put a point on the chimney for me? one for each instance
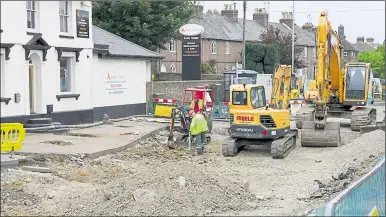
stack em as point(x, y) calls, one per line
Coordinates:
point(361, 39)
point(370, 40)
point(286, 18)
point(314, 29)
point(230, 12)
point(261, 16)
point(308, 27)
point(341, 32)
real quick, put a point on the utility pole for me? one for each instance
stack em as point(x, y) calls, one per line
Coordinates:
point(245, 10)
point(293, 37)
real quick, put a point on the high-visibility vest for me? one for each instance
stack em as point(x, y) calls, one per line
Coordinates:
point(199, 104)
point(198, 125)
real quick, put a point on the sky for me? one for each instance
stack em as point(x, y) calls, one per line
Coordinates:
point(359, 18)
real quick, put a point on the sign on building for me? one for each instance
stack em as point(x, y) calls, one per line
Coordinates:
point(115, 83)
point(82, 24)
point(191, 51)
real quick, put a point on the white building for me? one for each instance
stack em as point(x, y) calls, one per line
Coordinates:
point(54, 63)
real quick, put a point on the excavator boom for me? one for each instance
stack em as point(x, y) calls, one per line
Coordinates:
point(318, 132)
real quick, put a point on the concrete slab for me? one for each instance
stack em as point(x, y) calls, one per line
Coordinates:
point(8, 162)
point(93, 141)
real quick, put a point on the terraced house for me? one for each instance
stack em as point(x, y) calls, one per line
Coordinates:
point(222, 39)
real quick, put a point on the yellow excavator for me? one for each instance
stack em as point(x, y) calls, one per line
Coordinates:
point(341, 92)
point(252, 122)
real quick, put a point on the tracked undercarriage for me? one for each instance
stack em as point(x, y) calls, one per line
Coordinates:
point(329, 136)
point(280, 147)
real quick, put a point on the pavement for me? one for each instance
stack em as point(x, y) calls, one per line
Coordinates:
point(92, 142)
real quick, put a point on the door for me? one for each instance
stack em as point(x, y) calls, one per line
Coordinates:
point(31, 89)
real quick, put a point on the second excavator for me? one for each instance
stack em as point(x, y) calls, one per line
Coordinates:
point(341, 92)
point(252, 122)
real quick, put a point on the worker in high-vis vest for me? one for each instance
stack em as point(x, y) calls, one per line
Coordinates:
point(196, 104)
point(198, 127)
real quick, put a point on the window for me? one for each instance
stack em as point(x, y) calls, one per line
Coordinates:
point(305, 51)
point(3, 75)
point(227, 48)
point(258, 97)
point(64, 16)
point(214, 47)
point(172, 68)
point(313, 52)
point(66, 74)
point(345, 53)
point(352, 53)
point(172, 46)
point(31, 14)
point(239, 98)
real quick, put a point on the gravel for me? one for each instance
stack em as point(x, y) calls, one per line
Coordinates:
point(152, 179)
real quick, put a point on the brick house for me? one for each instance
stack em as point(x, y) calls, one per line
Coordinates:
point(222, 39)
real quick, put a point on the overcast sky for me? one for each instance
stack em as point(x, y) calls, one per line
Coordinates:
point(359, 18)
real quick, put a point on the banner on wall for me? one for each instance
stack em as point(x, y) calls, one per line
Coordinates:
point(115, 83)
point(82, 24)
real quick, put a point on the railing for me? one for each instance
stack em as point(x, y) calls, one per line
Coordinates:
point(12, 136)
point(365, 197)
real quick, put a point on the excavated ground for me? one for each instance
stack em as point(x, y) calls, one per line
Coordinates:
point(151, 179)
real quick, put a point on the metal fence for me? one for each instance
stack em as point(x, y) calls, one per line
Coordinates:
point(366, 197)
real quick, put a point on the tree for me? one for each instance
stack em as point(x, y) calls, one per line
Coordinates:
point(262, 58)
point(376, 59)
point(274, 36)
point(150, 24)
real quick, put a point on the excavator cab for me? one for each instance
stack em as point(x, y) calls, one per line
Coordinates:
point(357, 84)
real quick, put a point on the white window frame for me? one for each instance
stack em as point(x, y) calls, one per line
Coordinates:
point(345, 53)
point(313, 52)
point(72, 73)
point(172, 46)
point(305, 51)
point(35, 11)
point(214, 47)
point(65, 16)
point(227, 47)
point(3, 77)
point(173, 68)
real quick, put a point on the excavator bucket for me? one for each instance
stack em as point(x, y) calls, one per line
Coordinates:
point(327, 137)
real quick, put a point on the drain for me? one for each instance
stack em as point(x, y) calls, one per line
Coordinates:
point(80, 134)
point(56, 142)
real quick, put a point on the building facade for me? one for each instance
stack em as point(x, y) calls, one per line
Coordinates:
point(49, 67)
point(222, 39)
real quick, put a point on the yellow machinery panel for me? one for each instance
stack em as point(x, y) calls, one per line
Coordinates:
point(163, 110)
point(12, 136)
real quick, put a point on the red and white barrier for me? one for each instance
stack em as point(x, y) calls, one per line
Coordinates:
point(297, 101)
point(157, 100)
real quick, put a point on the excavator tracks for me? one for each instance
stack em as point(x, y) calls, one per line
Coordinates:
point(362, 116)
point(281, 147)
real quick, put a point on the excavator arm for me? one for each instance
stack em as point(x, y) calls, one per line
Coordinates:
point(329, 82)
point(281, 87)
point(329, 76)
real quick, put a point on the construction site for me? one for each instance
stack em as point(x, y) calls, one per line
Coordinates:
point(269, 148)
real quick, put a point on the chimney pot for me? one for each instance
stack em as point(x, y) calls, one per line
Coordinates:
point(261, 16)
point(199, 11)
point(230, 12)
point(308, 27)
point(286, 18)
point(361, 39)
point(370, 40)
